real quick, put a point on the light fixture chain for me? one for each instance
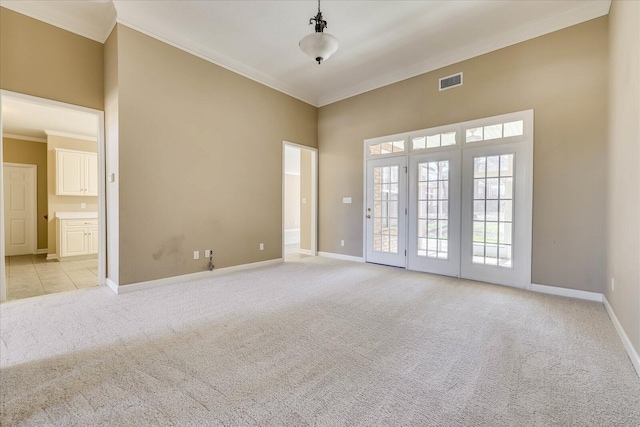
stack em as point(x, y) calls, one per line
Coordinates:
point(319, 45)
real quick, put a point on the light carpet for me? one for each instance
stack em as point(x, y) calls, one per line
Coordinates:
point(314, 342)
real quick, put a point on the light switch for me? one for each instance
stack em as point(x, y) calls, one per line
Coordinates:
point(83, 205)
point(304, 201)
point(346, 200)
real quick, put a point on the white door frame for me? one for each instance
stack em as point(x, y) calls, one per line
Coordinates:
point(366, 156)
point(34, 219)
point(102, 212)
point(369, 253)
point(314, 193)
point(524, 141)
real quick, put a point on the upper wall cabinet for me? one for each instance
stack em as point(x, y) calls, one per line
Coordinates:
point(76, 173)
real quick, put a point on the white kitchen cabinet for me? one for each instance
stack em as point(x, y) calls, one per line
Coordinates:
point(77, 236)
point(93, 239)
point(76, 173)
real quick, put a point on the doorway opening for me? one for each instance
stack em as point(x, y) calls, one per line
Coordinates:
point(52, 237)
point(299, 201)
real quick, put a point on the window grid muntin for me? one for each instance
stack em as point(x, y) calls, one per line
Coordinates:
point(433, 210)
point(500, 217)
point(385, 212)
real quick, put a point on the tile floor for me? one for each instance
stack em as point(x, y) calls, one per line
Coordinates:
point(291, 253)
point(33, 275)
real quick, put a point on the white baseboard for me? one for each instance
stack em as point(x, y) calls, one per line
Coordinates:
point(52, 256)
point(565, 292)
point(304, 251)
point(123, 289)
point(342, 257)
point(111, 285)
point(626, 342)
point(42, 251)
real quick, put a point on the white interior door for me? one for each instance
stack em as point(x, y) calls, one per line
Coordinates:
point(19, 209)
point(434, 213)
point(386, 211)
point(496, 215)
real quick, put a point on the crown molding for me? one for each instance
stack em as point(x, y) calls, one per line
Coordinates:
point(228, 63)
point(81, 28)
point(23, 137)
point(70, 135)
point(587, 12)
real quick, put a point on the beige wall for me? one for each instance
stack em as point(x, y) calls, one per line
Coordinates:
point(65, 203)
point(200, 164)
point(291, 201)
point(305, 194)
point(31, 153)
point(623, 230)
point(562, 76)
point(42, 60)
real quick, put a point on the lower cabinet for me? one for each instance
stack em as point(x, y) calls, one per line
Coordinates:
point(77, 237)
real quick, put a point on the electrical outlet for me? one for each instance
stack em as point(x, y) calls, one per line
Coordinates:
point(613, 284)
point(83, 205)
point(207, 253)
point(196, 254)
point(262, 246)
point(341, 242)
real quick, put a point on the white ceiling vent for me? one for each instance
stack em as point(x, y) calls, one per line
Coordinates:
point(451, 81)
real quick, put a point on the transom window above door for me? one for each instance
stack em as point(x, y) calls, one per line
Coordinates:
point(495, 131)
point(388, 147)
point(444, 139)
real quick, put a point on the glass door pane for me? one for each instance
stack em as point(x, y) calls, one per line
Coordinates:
point(385, 208)
point(493, 210)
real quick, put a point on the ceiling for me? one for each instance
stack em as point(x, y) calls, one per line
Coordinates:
point(33, 121)
point(381, 42)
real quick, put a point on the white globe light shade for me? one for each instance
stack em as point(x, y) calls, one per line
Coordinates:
point(319, 46)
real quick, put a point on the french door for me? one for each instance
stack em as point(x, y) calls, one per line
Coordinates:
point(468, 201)
point(496, 244)
point(386, 214)
point(434, 213)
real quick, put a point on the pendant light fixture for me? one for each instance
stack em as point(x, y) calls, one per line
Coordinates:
point(319, 46)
